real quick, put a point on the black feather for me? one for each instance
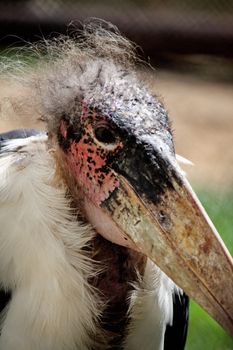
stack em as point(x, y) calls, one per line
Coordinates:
point(18, 134)
point(175, 335)
point(4, 299)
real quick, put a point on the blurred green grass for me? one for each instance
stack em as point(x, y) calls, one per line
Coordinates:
point(204, 333)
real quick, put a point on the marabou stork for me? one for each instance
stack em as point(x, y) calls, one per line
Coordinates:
point(95, 209)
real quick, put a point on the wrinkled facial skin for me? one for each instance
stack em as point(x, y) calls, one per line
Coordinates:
point(97, 151)
point(89, 159)
point(98, 148)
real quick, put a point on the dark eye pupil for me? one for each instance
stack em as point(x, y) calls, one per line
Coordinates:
point(105, 135)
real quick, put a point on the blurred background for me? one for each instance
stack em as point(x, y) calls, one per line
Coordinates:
point(190, 44)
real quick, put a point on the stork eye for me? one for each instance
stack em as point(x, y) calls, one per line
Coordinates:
point(105, 134)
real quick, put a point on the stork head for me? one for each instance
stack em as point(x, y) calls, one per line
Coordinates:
point(116, 150)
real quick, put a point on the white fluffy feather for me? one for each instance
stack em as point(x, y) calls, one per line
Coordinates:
point(40, 255)
point(151, 309)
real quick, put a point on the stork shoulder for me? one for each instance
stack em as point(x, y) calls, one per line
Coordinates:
point(18, 147)
point(41, 253)
point(20, 154)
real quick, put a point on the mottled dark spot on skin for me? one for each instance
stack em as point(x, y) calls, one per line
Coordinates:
point(155, 175)
point(73, 132)
point(137, 222)
point(117, 201)
point(164, 220)
point(105, 170)
point(206, 246)
point(125, 210)
point(111, 199)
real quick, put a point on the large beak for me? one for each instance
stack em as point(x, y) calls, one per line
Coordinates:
point(156, 209)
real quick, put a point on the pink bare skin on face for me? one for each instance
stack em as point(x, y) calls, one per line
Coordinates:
point(88, 160)
point(87, 157)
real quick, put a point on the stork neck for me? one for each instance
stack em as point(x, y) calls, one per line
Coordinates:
point(122, 267)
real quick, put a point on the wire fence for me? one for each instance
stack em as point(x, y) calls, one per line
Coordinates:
point(184, 26)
